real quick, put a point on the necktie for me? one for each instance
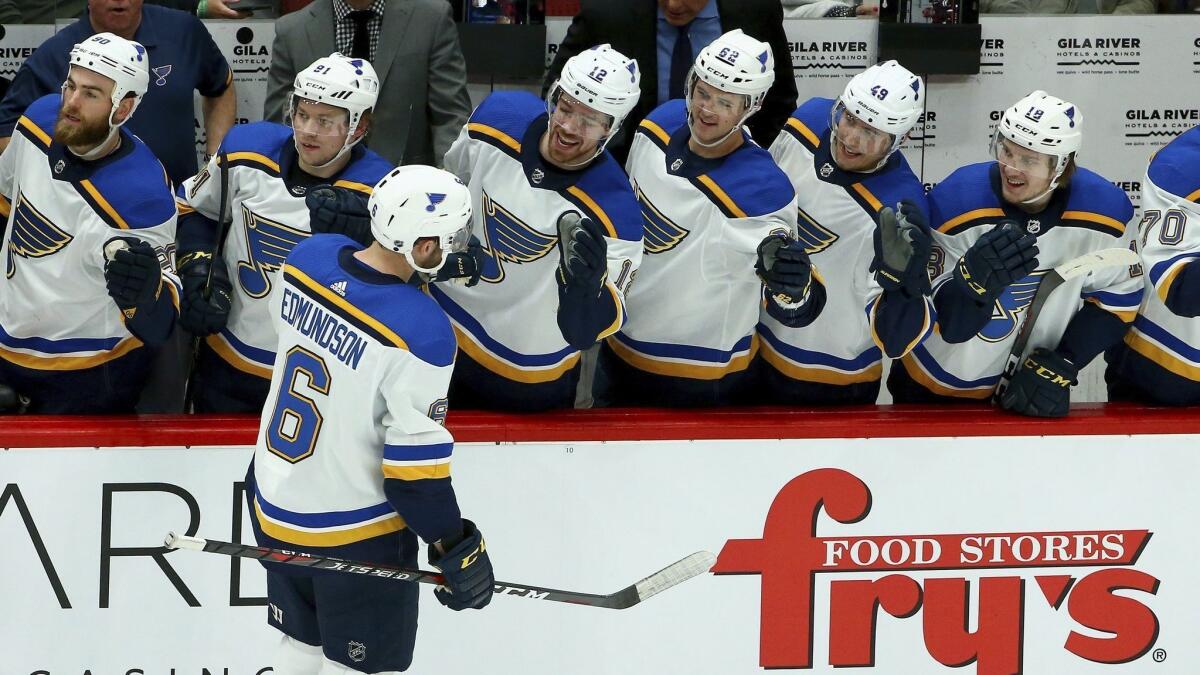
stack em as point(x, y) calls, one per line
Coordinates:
point(681, 62)
point(360, 46)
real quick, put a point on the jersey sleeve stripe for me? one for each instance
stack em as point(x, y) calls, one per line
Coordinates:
point(419, 472)
point(352, 185)
point(339, 306)
point(525, 375)
point(58, 363)
point(182, 208)
point(619, 319)
point(682, 361)
point(709, 187)
point(800, 131)
point(1194, 197)
point(588, 204)
point(968, 219)
point(1168, 268)
point(97, 200)
point(812, 366)
point(327, 537)
point(253, 160)
point(495, 137)
point(917, 373)
point(409, 453)
point(1095, 221)
point(33, 133)
point(222, 345)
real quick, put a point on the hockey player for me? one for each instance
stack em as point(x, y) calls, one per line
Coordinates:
point(352, 458)
point(1159, 361)
point(717, 210)
point(851, 187)
point(89, 295)
point(999, 227)
point(542, 181)
point(270, 169)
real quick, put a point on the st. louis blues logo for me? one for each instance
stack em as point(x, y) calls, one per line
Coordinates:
point(435, 198)
point(660, 232)
point(161, 72)
point(33, 235)
point(508, 239)
point(1012, 302)
point(813, 235)
point(267, 245)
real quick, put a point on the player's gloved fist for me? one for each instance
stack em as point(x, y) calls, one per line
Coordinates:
point(466, 265)
point(204, 312)
point(12, 403)
point(998, 258)
point(902, 247)
point(1041, 386)
point(583, 263)
point(132, 274)
point(783, 265)
point(339, 211)
point(467, 570)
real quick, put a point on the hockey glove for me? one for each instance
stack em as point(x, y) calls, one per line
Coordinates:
point(466, 265)
point(132, 274)
point(784, 267)
point(339, 211)
point(583, 260)
point(201, 312)
point(12, 403)
point(902, 247)
point(1041, 387)
point(998, 258)
point(467, 570)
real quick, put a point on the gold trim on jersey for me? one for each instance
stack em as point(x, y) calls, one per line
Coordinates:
point(804, 131)
point(1194, 197)
point(824, 375)
point(717, 192)
point(1163, 287)
point(103, 204)
point(252, 157)
point(1127, 315)
point(1160, 355)
point(35, 362)
point(1098, 218)
point(692, 370)
point(917, 373)
point(590, 203)
point(620, 318)
point(417, 472)
point(656, 130)
point(182, 208)
point(989, 212)
point(35, 130)
point(5, 206)
point(381, 330)
point(221, 346)
point(478, 354)
point(867, 196)
point(271, 528)
point(352, 185)
point(496, 134)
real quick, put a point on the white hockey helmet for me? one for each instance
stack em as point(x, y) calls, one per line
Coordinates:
point(413, 202)
point(602, 79)
point(734, 63)
point(1045, 124)
point(125, 62)
point(342, 82)
point(887, 97)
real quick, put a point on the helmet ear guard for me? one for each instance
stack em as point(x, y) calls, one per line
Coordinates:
point(416, 202)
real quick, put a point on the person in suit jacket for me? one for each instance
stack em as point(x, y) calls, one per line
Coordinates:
point(649, 34)
point(423, 99)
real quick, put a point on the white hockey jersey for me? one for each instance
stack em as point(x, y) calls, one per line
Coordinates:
point(507, 323)
point(1170, 237)
point(55, 311)
point(1090, 216)
point(693, 309)
point(358, 396)
point(268, 218)
point(838, 213)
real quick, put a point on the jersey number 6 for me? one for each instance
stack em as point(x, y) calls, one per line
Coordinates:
point(296, 421)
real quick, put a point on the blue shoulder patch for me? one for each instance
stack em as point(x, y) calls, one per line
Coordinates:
point(37, 122)
point(404, 312)
point(751, 181)
point(508, 112)
point(133, 192)
point(809, 124)
point(363, 174)
point(1097, 204)
point(670, 116)
point(260, 138)
point(964, 199)
point(604, 193)
point(895, 183)
point(1176, 167)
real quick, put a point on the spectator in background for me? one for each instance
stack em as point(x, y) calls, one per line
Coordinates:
point(826, 9)
point(183, 59)
point(423, 99)
point(1067, 7)
point(46, 11)
point(665, 41)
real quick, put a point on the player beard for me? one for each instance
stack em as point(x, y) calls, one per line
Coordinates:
point(82, 134)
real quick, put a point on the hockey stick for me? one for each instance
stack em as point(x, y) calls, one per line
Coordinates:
point(1072, 269)
point(222, 212)
point(676, 573)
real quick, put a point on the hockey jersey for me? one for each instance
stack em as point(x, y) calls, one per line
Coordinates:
point(693, 309)
point(1090, 215)
point(269, 217)
point(837, 217)
point(507, 323)
point(55, 312)
point(352, 444)
point(1167, 345)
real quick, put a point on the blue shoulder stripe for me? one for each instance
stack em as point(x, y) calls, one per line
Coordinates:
point(896, 183)
point(604, 194)
point(1096, 204)
point(964, 200)
point(131, 193)
point(37, 123)
point(364, 173)
point(809, 124)
point(1176, 167)
point(503, 118)
point(670, 116)
point(747, 184)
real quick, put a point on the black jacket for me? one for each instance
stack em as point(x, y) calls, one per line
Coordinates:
point(630, 26)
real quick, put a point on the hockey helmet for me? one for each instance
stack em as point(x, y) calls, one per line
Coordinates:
point(339, 81)
point(416, 201)
point(125, 62)
point(886, 97)
point(1045, 124)
point(604, 80)
point(734, 63)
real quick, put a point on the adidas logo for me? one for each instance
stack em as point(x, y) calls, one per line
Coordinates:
point(339, 287)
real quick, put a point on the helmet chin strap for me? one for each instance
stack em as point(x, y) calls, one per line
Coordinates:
point(425, 270)
point(98, 151)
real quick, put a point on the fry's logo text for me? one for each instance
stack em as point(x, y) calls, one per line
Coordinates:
point(789, 555)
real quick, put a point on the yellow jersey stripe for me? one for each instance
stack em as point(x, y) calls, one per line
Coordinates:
point(424, 472)
point(720, 194)
point(917, 373)
point(34, 129)
point(328, 538)
point(506, 370)
point(1125, 315)
point(350, 309)
point(496, 134)
point(872, 373)
point(1095, 218)
point(970, 215)
point(1163, 287)
point(620, 318)
point(1194, 197)
point(253, 157)
point(689, 370)
point(230, 356)
point(69, 362)
point(582, 196)
point(867, 196)
point(352, 185)
point(5, 206)
point(1168, 361)
point(103, 204)
point(804, 131)
point(656, 130)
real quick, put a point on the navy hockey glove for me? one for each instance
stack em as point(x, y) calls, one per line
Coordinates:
point(467, 570)
point(902, 248)
point(132, 274)
point(998, 258)
point(339, 211)
point(784, 267)
point(1041, 387)
point(202, 314)
point(583, 261)
point(466, 265)
point(12, 403)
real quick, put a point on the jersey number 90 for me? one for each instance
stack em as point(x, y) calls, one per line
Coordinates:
point(296, 421)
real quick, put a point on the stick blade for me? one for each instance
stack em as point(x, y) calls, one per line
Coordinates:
point(674, 574)
point(1096, 260)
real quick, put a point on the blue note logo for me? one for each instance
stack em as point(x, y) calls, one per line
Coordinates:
point(661, 234)
point(1013, 301)
point(508, 239)
point(33, 235)
point(267, 246)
